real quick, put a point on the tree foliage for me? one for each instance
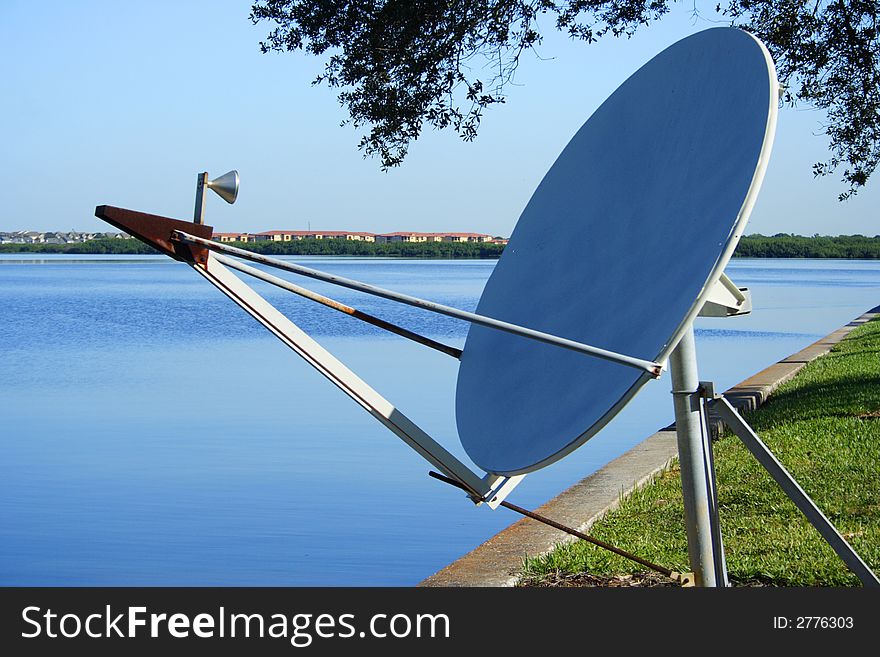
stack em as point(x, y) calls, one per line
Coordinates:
point(817, 246)
point(324, 247)
point(341, 247)
point(402, 65)
point(827, 54)
point(109, 246)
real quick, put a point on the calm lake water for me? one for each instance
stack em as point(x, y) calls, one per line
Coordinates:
point(153, 434)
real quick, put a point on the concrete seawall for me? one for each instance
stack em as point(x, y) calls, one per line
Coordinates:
point(497, 562)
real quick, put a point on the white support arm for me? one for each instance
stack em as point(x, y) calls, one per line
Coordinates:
point(313, 353)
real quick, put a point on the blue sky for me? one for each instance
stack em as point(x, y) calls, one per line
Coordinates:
point(124, 103)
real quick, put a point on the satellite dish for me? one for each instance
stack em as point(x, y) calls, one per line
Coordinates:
point(621, 246)
point(618, 247)
point(226, 186)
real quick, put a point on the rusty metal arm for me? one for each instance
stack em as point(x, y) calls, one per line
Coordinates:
point(651, 367)
point(341, 307)
point(157, 231)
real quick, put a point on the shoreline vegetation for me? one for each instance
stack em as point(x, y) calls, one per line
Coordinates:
point(750, 246)
point(824, 426)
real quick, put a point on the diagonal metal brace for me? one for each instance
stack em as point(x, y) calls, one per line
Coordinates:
point(157, 231)
point(765, 457)
point(653, 368)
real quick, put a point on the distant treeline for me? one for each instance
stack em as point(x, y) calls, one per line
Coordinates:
point(298, 247)
point(129, 246)
point(751, 246)
point(797, 246)
point(388, 249)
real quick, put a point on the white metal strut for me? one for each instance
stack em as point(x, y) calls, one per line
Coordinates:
point(490, 488)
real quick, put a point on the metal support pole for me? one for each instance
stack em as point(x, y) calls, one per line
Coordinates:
point(714, 517)
point(695, 480)
point(201, 186)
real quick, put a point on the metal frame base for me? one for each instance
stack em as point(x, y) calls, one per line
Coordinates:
point(792, 489)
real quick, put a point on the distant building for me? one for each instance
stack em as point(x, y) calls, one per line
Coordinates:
point(466, 237)
point(52, 238)
point(233, 237)
point(35, 237)
point(61, 237)
point(290, 235)
point(408, 236)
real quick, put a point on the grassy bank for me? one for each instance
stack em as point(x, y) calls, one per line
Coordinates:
point(824, 426)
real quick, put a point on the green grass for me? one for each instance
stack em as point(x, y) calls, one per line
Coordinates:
point(824, 426)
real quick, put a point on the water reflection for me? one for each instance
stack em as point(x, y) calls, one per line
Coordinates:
point(155, 434)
